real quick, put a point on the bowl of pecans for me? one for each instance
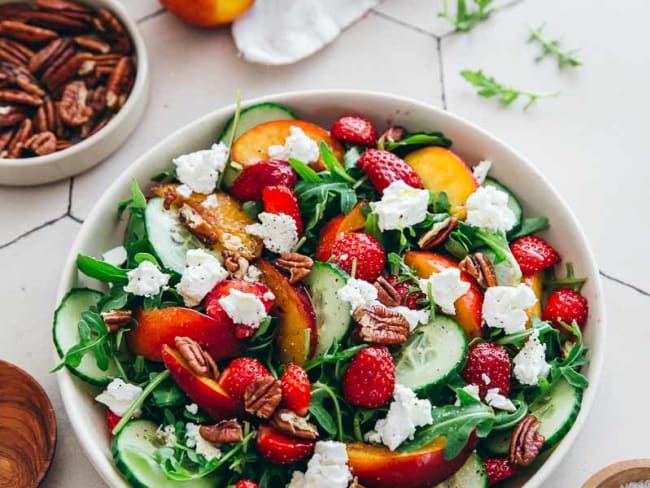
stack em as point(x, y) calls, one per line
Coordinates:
point(73, 85)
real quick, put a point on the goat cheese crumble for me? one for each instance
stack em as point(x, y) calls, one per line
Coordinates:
point(504, 307)
point(243, 308)
point(445, 288)
point(496, 400)
point(480, 171)
point(487, 208)
point(530, 362)
point(194, 441)
point(200, 170)
point(116, 256)
point(202, 271)
point(400, 206)
point(278, 231)
point(297, 146)
point(167, 435)
point(210, 201)
point(357, 293)
point(192, 408)
point(146, 280)
point(119, 396)
point(413, 317)
point(328, 467)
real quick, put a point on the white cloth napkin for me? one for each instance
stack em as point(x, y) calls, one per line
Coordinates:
point(285, 31)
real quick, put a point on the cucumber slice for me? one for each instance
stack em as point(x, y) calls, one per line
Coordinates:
point(332, 313)
point(432, 352)
point(496, 444)
point(470, 475)
point(66, 335)
point(513, 202)
point(557, 411)
point(168, 238)
point(133, 450)
point(253, 116)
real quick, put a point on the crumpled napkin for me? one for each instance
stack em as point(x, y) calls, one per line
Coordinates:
point(279, 32)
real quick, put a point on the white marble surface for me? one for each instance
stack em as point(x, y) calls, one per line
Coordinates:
point(589, 140)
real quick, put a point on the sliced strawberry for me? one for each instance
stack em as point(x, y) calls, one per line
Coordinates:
point(488, 366)
point(383, 168)
point(240, 373)
point(111, 421)
point(354, 129)
point(498, 469)
point(566, 305)
point(362, 249)
point(280, 199)
point(281, 449)
point(296, 391)
point(369, 381)
point(534, 254)
point(246, 484)
point(409, 297)
point(253, 179)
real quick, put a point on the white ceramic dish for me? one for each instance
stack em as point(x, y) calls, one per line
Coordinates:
point(100, 232)
point(80, 157)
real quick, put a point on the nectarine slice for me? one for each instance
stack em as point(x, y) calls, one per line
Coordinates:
point(336, 227)
point(535, 282)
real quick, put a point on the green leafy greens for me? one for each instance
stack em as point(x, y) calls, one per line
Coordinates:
point(488, 87)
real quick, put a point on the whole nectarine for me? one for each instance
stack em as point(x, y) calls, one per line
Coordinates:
point(207, 13)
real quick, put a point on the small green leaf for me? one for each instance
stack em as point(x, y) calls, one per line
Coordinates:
point(101, 271)
point(304, 171)
point(139, 200)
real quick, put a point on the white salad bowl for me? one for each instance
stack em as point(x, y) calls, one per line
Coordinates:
point(101, 232)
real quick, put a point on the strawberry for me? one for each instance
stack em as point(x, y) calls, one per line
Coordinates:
point(362, 248)
point(369, 381)
point(240, 373)
point(328, 236)
point(354, 129)
point(296, 390)
point(280, 199)
point(111, 421)
point(566, 305)
point(383, 168)
point(214, 309)
point(498, 469)
point(246, 484)
point(534, 254)
point(281, 449)
point(253, 179)
point(408, 298)
point(488, 366)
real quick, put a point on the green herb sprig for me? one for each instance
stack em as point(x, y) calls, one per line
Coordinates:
point(488, 87)
point(465, 20)
point(565, 59)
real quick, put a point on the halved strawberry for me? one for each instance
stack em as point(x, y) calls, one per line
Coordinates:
point(498, 469)
point(566, 305)
point(354, 129)
point(280, 199)
point(111, 421)
point(408, 290)
point(534, 254)
point(383, 168)
point(362, 249)
point(296, 391)
point(488, 366)
point(240, 373)
point(253, 179)
point(281, 449)
point(369, 380)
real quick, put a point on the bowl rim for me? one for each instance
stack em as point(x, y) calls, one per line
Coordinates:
point(138, 90)
point(65, 378)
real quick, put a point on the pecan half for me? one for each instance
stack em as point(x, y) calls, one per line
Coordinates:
point(29, 34)
point(298, 265)
point(16, 145)
point(116, 319)
point(41, 144)
point(262, 397)
point(387, 293)
point(22, 78)
point(46, 56)
point(61, 6)
point(199, 361)
point(97, 99)
point(11, 115)
point(438, 233)
point(73, 66)
point(15, 52)
point(392, 134)
point(378, 324)
point(73, 109)
point(61, 144)
point(290, 423)
point(57, 21)
point(479, 267)
point(224, 432)
point(526, 442)
point(93, 44)
point(106, 23)
point(5, 137)
point(118, 83)
point(236, 264)
point(197, 225)
point(20, 97)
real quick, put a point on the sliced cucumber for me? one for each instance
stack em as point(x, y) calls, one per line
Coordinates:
point(253, 116)
point(133, 450)
point(470, 475)
point(432, 352)
point(332, 313)
point(513, 202)
point(169, 239)
point(557, 411)
point(497, 443)
point(66, 335)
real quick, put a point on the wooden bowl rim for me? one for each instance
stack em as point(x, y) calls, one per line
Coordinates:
point(609, 473)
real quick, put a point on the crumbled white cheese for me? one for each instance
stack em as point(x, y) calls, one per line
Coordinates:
point(297, 146)
point(406, 412)
point(445, 287)
point(116, 256)
point(504, 307)
point(488, 209)
point(146, 280)
point(530, 362)
point(243, 308)
point(480, 171)
point(400, 206)
point(200, 170)
point(357, 293)
point(192, 408)
point(413, 317)
point(472, 389)
point(194, 441)
point(210, 201)
point(167, 435)
point(119, 396)
point(327, 468)
point(202, 271)
point(184, 191)
point(496, 400)
point(231, 241)
point(486, 379)
point(278, 231)
point(253, 274)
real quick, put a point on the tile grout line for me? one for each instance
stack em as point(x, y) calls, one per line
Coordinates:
point(31, 231)
point(401, 23)
point(624, 283)
point(150, 16)
point(69, 211)
point(443, 93)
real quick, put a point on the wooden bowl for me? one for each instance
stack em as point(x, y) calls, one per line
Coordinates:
point(617, 474)
point(27, 429)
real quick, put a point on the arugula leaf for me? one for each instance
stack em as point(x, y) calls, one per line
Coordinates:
point(304, 171)
point(441, 203)
point(93, 338)
point(530, 225)
point(417, 140)
point(166, 174)
point(101, 270)
point(551, 282)
point(139, 200)
point(488, 87)
point(168, 394)
point(518, 339)
point(321, 414)
point(466, 20)
point(335, 168)
point(333, 355)
point(552, 48)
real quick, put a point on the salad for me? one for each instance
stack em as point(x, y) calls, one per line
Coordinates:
point(297, 307)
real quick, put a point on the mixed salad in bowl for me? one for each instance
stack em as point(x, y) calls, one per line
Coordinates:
point(303, 307)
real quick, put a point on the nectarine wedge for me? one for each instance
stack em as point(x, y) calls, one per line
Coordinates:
point(253, 145)
point(469, 306)
point(336, 227)
point(535, 282)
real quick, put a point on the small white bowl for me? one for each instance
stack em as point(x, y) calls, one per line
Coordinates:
point(87, 153)
point(100, 233)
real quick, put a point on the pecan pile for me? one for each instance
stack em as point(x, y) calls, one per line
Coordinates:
point(65, 71)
